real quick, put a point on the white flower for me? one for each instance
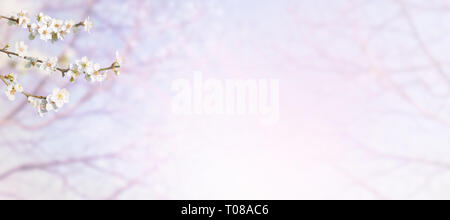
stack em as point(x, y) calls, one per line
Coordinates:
point(87, 24)
point(73, 72)
point(18, 87)
point(89, 70)
point(24, 22)
point(39, 105)
point(12, 89)
point(101, 76)
point(45, 33)
point(97, 75)
point(42, 107)
point(50, 64)
point(46, 21)
point(23, 19)
point(61, 33)
point(22, 14)
point(68, 25)
point(39, 17)
point(10, 92)
point(49, 105)
point(84, 64)
point(21, 49)
point(35, 28)
point(56, 25)
point(34, 101)
point(59, 97)
point(49, 28)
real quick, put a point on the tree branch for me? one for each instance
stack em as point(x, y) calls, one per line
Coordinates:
point(3, 78)
point(62, 70)
point(16, 20)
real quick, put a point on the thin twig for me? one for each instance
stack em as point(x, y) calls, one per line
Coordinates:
point(3, 78)
point(16, 20)
point(10, 19)
point(62, 70)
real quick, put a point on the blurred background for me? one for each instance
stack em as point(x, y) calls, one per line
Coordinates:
point(364, 108)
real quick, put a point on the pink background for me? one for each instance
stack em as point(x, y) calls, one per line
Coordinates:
point(364, 110)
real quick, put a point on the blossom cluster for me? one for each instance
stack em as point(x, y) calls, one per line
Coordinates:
point(48, 28)
point(12, 87)
point(47, 64)
point(52, 102)
point(91, 71)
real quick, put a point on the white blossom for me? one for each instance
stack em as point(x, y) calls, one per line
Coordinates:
point(45, 33)
point(39, 17)
point(35, 28)
point(12, 89)
point(35, 102)
point(50, 64)
point(56, 25)
point(39, 105)
point(88, 25)
point(21, 49)
point(68, 25)
point(47, 27)
point(73, 72)
point(22, 14)
point(49, 105)
point(92, 72)
point(88, 71)
point(97, 75)
point(18, 87)
point(23, 19)
point(61, 34)
point(24, 22)
point(42, 108)
point(46, 21)
point(84, 65)
point(58, 98)
point(10, 92)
